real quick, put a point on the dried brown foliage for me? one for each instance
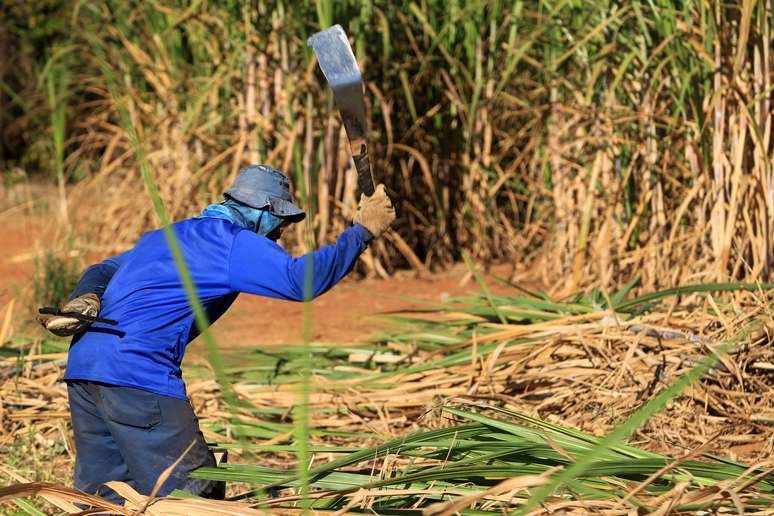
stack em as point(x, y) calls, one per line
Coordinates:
point(618, 140)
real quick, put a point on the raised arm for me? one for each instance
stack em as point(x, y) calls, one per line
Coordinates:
point(260, 266)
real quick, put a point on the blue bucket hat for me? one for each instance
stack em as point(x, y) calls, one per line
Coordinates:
point(262, 187)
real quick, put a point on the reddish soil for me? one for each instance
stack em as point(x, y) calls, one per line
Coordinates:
point(18, 256)
point(341, 315)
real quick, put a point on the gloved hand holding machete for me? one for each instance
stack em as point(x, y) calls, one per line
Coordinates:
point(74, 317)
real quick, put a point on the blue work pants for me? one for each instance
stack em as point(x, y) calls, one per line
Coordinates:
point(132, 435)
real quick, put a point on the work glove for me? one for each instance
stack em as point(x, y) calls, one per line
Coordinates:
point(86, 304)
point(375, 213)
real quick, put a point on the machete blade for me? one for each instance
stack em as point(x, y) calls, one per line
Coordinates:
point(339, 66)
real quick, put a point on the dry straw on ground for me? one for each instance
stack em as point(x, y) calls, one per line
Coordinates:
point(588, 375)
point(586, 371)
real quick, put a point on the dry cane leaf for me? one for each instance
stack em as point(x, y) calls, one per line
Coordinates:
point(523, 482)
point(5, 329)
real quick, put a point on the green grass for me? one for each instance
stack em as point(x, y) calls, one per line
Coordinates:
point(477, 454)
point(54, 277)
point(478, 446)
point(483, 450)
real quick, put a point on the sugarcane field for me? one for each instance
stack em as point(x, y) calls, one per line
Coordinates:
point(404, 258)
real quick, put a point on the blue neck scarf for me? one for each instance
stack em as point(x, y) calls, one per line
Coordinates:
point(262, 221)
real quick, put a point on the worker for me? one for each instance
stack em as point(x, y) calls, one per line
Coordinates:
point(130, 413)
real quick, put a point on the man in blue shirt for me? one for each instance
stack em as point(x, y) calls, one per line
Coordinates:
point(130, 413)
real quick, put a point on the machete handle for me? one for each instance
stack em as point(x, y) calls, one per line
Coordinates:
point(50, 310)
point(363, 166)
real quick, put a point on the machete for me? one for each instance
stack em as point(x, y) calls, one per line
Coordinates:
point(339, 66)
point(50, 310)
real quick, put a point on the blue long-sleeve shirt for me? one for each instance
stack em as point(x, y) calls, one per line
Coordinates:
point(143, 292)
point(95, 279)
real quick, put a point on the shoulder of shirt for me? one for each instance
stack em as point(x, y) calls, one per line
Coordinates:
point(213, 221)
point(255, 238)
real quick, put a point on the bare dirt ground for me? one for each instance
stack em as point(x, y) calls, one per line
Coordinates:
point(17, 256)
point(343, 314)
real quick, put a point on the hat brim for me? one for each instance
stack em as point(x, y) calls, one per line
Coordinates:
point(286, 210)
point(276, 205)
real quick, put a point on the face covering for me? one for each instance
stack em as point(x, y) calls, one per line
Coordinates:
point(261, 221)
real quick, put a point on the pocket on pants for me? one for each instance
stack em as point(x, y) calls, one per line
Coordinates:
point(131, 407)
